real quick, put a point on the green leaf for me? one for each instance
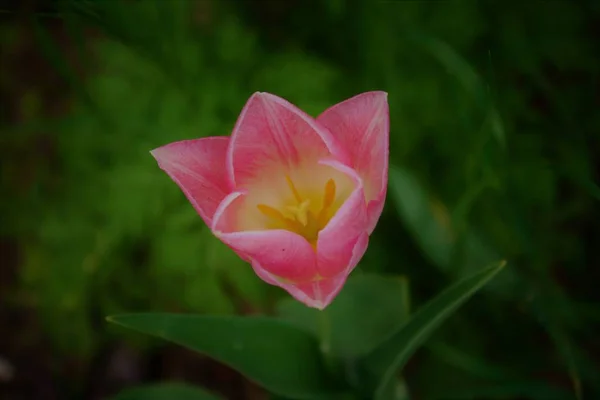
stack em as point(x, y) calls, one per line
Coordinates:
point(367, 310)
point(547, 309)
point(391, 355)
point(428, 220)
point(165, 391)
point(271, 352)
point(430, 223)
point(460, 360)
point(512, 390)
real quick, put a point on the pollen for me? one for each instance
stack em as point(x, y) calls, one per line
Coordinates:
point(300, 212)
point(300, 215)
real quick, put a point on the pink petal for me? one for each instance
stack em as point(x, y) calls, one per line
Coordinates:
point(361, 125)
point(337, 240)
point(198, 167)
point(271, 131)
point(375, 207)
point(317, 294)
point(359, 251)
point(284, 254)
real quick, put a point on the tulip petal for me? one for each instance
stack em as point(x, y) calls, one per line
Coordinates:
point(359, 251)
point(337, 240)
point(198, 168)
point(284, 254)
point(361, 125)
point(270, 132)
point(375, 208)
point(318, 294)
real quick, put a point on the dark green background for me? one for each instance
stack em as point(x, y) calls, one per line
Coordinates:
point(494, 143)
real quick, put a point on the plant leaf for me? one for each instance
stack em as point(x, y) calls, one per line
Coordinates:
point(429, 222)
point(511, 390)
point(391, 355)
point(271, 352)
point(165, 391)
point(423, 217)
point(367, 310)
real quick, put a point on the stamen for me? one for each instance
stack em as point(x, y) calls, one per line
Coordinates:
point(289, 222)
point(293, 188)
point(300, 212)
point(329, 193)
point(298, 217)
point(328, 199)
point(271, 212)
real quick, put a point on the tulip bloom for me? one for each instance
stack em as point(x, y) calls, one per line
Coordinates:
point(296, 197)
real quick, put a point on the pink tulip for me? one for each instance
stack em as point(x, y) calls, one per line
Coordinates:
point(294, 196)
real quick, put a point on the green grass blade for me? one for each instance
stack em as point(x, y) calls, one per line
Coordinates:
point(389, 357)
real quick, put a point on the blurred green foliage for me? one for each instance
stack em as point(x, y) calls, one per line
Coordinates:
point(166, 391)
point(494, 143)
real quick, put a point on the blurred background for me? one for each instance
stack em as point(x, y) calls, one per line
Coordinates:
point(495, 154)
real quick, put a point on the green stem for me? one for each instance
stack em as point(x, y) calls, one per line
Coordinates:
point(325, 326)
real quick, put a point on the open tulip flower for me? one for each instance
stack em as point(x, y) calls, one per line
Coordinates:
point(294, 196)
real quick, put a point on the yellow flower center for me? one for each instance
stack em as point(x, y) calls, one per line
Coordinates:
point(303, 216)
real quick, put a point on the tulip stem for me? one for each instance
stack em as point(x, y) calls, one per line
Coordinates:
point(325, 331)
